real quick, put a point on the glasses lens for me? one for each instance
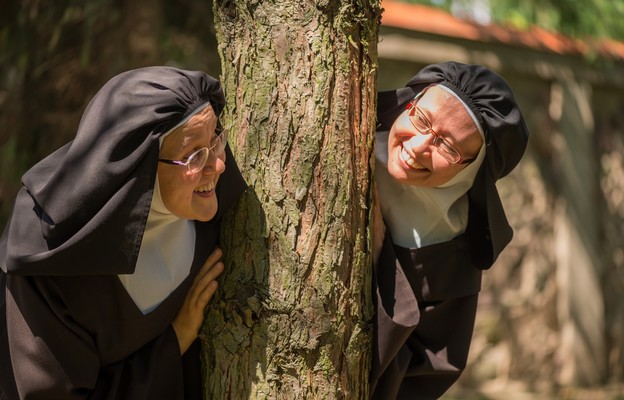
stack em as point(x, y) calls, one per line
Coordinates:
point(197, 160)
point(420, 122)
point(446, 150)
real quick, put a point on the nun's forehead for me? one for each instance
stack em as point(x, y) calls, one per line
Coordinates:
point(466, 106)
point(448, 118)
point(198, 131)
point(205, 108)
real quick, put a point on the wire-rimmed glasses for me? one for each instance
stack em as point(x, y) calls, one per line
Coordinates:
point(423, 125)
point(197, 161)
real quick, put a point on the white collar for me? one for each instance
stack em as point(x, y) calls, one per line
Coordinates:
point(165, 256)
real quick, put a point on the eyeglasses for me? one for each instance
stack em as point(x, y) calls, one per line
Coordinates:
point(197, 161)
point(423, 125)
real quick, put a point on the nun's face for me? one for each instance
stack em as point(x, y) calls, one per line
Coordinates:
point(413, 158)
point(191, 195)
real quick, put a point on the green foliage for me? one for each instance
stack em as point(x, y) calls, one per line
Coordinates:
point(575, 18)
point(33, 31)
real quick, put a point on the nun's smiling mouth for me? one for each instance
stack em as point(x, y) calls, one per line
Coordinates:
point(207, 188)
point(409, 160)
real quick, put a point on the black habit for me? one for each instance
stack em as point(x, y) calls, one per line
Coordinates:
point(68, 327)
point(426, 297)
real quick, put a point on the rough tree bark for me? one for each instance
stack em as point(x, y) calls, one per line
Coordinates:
point(292, 318)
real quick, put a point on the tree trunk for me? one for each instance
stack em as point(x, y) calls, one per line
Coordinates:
point(292, 317)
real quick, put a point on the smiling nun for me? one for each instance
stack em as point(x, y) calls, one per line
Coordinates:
point(441, 144)
point(109, 257)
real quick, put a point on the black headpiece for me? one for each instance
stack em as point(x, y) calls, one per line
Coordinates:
point(90, 199)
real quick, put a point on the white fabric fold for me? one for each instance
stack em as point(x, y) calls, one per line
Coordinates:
point(165, 256)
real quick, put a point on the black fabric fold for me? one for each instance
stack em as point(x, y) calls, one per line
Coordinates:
point(425, 310)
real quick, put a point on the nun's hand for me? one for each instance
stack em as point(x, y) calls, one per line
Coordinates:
point(191, 315)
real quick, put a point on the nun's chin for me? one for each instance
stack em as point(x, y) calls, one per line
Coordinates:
point(207, 211)
point(399, 171)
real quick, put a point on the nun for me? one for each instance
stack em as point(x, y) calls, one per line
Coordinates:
point(110, 255)
point(442, 142)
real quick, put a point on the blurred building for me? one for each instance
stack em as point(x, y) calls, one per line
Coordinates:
point(552, 313)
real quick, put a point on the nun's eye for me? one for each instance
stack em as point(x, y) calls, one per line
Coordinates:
point(423, 125)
